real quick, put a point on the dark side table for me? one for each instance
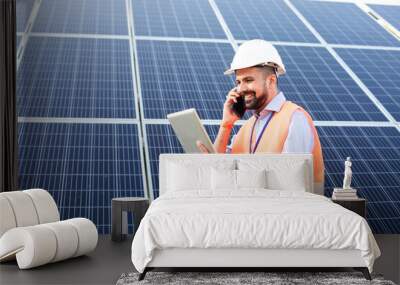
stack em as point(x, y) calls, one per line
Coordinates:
point(358, 205)
point(120, 208)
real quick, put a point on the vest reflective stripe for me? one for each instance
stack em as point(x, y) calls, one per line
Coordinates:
point(278, 129)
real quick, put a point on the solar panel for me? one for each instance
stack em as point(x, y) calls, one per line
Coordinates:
point(90, 76)
point(389, 13)
point(83, 166)
point(162, 139)
point(376, 169)
point(380, 72)
point(316, 81)
point(270, 20)
point(18, 41)
point(176, 18)
point(84, 17)
point(23, 12)
point(180, 75)
point(69, 77)
point(174, 75)
point(344, 23)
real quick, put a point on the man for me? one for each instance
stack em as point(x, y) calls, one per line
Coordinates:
point(277, 125)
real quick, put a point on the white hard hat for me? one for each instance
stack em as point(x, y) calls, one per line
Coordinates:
point(256, 52)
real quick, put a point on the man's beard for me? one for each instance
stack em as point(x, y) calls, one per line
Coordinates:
point(252, 102)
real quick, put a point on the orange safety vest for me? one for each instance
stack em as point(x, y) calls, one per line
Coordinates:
point(278, 129)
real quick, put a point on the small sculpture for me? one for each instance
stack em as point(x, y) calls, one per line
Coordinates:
point(347, 174)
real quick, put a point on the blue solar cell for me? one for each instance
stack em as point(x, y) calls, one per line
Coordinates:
point(18, 41)
point(23, 12)
point(83, 166)
point(316, 81)
point(162, 139)
point(344, 23)
point(380, 72)
point(68, 77)
point(180, 75)
point(389, 13)
point(270, 20)
point(176, 18)
point(85, 17)
point(376, 169)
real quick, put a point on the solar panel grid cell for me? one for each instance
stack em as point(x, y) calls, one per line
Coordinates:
point(176, 18)
point(83, 166)
point(270, 20)
point(176, 76)
point(316, 81)
point(69, 77)
point(18, 41)
point(344, 23)
point(23, 10)
point(82, 16)
point(379, 70)
point(389, 13)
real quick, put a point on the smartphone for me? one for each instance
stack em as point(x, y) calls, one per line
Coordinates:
point(239, 108)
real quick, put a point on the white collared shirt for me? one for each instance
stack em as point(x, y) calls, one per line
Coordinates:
point(300, 137)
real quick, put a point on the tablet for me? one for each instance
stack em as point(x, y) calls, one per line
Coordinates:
point(188, 128)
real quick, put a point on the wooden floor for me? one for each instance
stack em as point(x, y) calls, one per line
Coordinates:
point(103, 266)
point(110, 259)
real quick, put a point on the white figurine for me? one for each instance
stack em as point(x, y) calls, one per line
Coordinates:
point(347, 174)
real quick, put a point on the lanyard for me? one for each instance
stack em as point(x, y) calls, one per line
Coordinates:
point(259, 137)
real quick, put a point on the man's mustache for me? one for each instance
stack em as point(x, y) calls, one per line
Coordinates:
point(244, 93)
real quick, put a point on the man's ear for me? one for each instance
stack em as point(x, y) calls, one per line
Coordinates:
point(273, 79)
point(270, 80)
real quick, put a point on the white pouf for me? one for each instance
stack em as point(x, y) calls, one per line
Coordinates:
point(31, 232)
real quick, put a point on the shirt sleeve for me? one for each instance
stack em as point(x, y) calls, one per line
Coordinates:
point(300, 136)
point(229, 147)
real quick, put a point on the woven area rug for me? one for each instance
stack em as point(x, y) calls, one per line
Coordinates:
point(226, 278)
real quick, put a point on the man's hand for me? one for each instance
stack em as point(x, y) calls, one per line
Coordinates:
point(202, 147)
point(229, 117)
